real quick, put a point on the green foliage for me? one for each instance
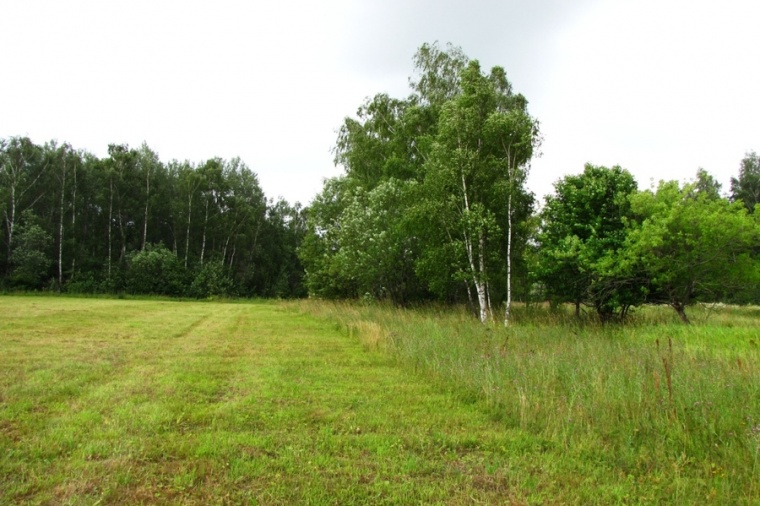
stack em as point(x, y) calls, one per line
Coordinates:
point(437, 73)
point(432, 184)
point(692, 246)
point(746, 188)
point(707, 185)
point(22, 171)
point(30, 260)
point(83, 283)
point(212, 280)
point(155, 271)
point(381, 142)
point(585, 225)
point(318, 251)
point(433, 205)
point(101, 215)
point(278, 271)
point(377, 251)
point(476, 171)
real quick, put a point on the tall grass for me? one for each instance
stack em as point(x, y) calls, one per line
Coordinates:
point(655, 401)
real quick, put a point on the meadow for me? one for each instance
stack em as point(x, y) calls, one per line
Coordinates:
point(167, 402)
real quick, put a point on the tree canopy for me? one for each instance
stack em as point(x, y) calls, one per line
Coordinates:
point(584, 226)
point(432, 186)
point(129, 222)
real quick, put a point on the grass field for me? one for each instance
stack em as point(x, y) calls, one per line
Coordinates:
point(159, 402)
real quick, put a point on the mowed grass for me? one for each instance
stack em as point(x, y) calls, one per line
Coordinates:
point(152, 402)
point(157, 402)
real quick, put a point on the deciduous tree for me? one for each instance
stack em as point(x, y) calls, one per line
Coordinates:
point(584, 226)
point(692, 246)
point(746, 187)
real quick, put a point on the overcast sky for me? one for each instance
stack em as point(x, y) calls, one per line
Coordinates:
point(660, 87)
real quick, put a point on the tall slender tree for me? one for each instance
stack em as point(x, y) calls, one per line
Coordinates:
point(746, 187)
point(22, 165)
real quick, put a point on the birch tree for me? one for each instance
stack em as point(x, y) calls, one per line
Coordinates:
point(21, 167)
point(485, 139)
point(513, 135)
point(147, 164)
point(66, 163)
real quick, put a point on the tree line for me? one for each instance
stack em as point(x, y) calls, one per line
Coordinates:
point(433, 205)
point(131, 223)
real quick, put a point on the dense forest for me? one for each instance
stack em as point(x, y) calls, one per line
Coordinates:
point(130, 223)
point(433, 205)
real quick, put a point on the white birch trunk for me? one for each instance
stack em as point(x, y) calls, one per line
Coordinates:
point(187, 234)
point(74, 216)
point(509, 262)
point(480, 288)
point(147, 200)
point(11, 222)
point(483, 286)
point(110, 221)
point(60, 227)
point(477, 275)
point(203, 243)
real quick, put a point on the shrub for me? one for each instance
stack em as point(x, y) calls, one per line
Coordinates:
point(212, 280)
point(30, 261)
point(155, 271)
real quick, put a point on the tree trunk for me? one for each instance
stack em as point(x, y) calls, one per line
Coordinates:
point(203, 243)
point(60, 227)
point(11, 223)
point(508, 307)
point(110, 221)
point(484, 302)
point(480, 288)
point(123, 235)
point(488, 298)
point(74, 218)
point(478, 277)
point(187, 234)
point(224, 248)
point(681, 310)
point(147, 200)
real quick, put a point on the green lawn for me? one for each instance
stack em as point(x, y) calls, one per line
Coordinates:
point(131, 402)
point(158, 402)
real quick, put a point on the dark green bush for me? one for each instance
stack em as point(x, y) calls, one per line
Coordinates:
point(30, 260)
point(212, 280)
point(155, 271)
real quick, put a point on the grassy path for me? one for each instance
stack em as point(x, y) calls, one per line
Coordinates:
point(146, 402)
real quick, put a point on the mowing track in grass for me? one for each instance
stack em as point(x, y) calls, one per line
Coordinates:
point(155, 402)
